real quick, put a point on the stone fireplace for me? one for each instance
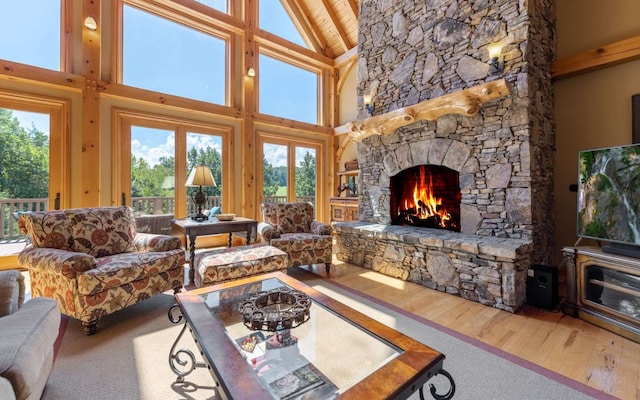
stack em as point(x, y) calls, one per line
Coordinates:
point(500, 159)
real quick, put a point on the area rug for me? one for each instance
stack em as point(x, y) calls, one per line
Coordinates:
point(128, 357)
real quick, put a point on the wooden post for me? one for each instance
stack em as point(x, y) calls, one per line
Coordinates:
point(91, 162)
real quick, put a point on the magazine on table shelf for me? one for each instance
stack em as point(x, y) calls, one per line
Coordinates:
point(285, 372)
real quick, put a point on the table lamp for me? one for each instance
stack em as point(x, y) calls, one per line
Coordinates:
point(200, 176)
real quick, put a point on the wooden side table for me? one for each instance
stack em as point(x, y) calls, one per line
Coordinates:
point(192, 229)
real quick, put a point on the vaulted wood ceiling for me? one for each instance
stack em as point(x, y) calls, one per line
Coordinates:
point(330, 27)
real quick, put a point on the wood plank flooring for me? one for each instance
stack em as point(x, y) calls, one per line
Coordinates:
point(569, 346)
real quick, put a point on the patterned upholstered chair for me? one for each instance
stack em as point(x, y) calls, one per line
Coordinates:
point(290, 227)
point(93, 262)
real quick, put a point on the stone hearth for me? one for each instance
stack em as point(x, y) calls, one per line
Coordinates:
point(486, 269)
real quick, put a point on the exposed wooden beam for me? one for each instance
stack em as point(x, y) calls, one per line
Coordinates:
point(13, 71)
point(335, 22)
point(191, 10)
point(248, 143)
point(353, 5)
point(349, 55)
point(465, 102)
point(138, 95)
point(91, 143)
point(341, 130)
point(285, 123)
point(300, 18)
point(605, 56)
point(267, 39)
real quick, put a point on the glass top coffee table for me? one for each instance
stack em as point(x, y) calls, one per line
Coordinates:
point(328, 350)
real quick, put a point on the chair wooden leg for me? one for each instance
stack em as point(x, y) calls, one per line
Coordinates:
point(90, 327)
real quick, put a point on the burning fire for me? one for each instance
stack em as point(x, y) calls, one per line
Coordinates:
point(422, 204)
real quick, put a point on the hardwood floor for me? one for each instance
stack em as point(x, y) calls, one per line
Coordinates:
point(569, 346)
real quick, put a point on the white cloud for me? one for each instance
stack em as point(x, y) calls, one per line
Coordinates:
point(153, 154)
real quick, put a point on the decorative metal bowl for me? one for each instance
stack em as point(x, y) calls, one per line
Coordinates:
point(225, 217)
point(275, 310)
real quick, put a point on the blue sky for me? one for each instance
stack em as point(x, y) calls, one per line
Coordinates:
point(165, 45)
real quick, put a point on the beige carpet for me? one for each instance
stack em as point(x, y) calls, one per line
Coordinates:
point(128, 358)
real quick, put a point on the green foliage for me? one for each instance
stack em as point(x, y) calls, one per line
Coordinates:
point(306, 176)
point(24, 160)
point(158, 181)
point(270, 180)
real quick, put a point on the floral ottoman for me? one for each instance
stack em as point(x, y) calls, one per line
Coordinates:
point(222, 265)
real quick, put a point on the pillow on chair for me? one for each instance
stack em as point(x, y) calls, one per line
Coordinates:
point(294, 217)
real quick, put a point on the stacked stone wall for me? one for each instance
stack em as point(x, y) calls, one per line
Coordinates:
point(412, 51)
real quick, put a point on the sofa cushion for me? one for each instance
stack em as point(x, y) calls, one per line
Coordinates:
point(120, 269)
point(291, 242)
point(102, 231)
point(47, 229)
point(294, 217)
point(11, 291)
point(26, 346)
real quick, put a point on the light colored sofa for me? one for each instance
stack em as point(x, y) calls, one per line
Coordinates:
point(94, 262)
point(28, 331)
point(291, 228)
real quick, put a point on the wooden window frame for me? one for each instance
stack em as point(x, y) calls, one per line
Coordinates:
point(174, 14)
point(298, 63)
point(59, 146)
point(124, 119)
point(292, 142)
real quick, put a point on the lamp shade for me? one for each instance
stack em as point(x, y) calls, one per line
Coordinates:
point(200, 176)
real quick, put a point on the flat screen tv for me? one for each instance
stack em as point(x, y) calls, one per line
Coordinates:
point(609, 198)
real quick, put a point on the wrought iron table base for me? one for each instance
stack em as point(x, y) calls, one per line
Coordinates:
point(181, 366)
point(433, 390)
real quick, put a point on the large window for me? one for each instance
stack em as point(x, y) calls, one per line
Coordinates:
point(289, 170)
point(167, 57)
point(34, 173)
point(33, 25)
point(161, 153)
point(288, 91)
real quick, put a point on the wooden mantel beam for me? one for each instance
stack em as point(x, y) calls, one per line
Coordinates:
point(465, 102)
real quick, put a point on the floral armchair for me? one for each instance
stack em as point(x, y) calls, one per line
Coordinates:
point(290, 227)
point(93, 262)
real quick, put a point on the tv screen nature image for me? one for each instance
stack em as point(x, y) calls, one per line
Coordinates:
point(609, 194)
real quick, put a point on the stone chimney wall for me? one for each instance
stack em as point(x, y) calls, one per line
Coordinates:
point(415, 50)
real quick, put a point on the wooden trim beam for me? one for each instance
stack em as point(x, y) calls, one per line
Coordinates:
point(283, 46)
point(348, 56)
point(464, 102)
point(335, 22)
point(285, 123)
point(138, 95)
point(354, 8)
point(13, 71)
point(605, 56)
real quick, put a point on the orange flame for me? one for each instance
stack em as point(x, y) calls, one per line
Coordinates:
point(424, 203)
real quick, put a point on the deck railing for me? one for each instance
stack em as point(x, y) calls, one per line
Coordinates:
point(9, 209)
